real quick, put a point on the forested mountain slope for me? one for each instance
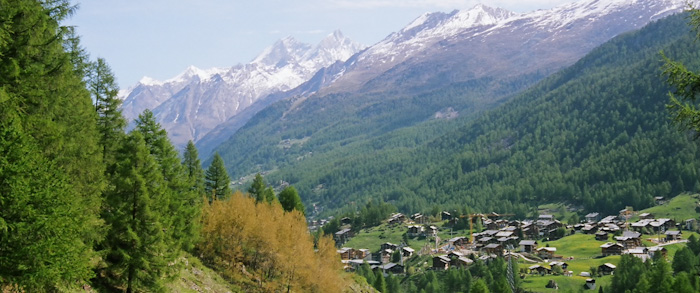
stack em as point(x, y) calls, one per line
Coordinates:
point(441, 65)
point(596, 134)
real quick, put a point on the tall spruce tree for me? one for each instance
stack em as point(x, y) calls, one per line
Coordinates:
point(136, 242)
point(217, 180)
point(182, 201)
point(110, 122)
point(42, 237)
point(51, 171)
point(192, 206)
point(193, 168)
point(257, 188)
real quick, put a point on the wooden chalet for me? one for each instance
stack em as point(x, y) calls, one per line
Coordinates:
point(606, 269)
point(391, 267)
point(441, 262)
point(646, 216)
point(527, 245)
point(407, 251)
point(689, 224)
point(589, 229)
point(458, 241)
point(546, 252)
point(611, 249)
point(673, 235)
point(629, 239)
point(342, 236)
point(493, 248)
point(397, 218)
point(592, 217)
point(658, 249)
point(640, 252)
point(601, 236)
point(418, 218)
point(539, 270)
point(445, 215)
point(415, 231)
point(561, 264)
point(389, 245)
point(345, 253)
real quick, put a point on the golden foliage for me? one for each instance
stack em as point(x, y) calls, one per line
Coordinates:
point(263, 243)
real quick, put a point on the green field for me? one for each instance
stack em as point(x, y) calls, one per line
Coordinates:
point(678, 208)
point(566, 284)
point(372, 238)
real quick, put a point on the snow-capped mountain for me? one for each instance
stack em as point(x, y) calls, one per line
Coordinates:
point(194, 102)
point(484, 41)
point(491, 48)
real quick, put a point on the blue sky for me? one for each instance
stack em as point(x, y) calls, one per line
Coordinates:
point(159, 38)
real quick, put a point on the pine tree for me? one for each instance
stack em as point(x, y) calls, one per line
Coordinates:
point(660, 276)
point(50, 197)
point(380, 282)
point(290, 200)
point(136, 242)
point(110, 122)
point(193, 168)
point(42, 236)
point(479, 287)
point(217, 180)
point(257, 189)
point(393, 285)
point(183, 202)
point(682, 284)
point(190, 210)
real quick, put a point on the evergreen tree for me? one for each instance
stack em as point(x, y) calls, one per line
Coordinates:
point(216, 179)
point(290, 200)
point(193, 168)
point(110, 122)
point(660, 277)
point(182, 201)
point(694, 244)
point(392, 284)
point(627, 274)
point(479, 287)
point(682, 284)
point(257, 189)
point(191, 206)
point(269, 195)
point(380, 282)
point(684, 261)
point(42, 244)
point(51, 171)
point(136, 245)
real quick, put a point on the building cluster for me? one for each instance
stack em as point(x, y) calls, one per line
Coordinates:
point(353, 258)
point(507, 237)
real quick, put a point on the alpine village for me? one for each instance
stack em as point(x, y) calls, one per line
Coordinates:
point(478, 150)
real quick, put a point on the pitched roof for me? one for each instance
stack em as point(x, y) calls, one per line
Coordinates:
point(610, 244)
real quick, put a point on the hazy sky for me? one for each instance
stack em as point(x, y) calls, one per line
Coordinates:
point(159, 38)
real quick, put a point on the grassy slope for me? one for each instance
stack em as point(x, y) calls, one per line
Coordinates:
point(679, 208)
point(195, 277)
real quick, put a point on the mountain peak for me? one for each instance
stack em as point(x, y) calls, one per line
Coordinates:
point(477, 16)
point(148, 81)
point(282, 52)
